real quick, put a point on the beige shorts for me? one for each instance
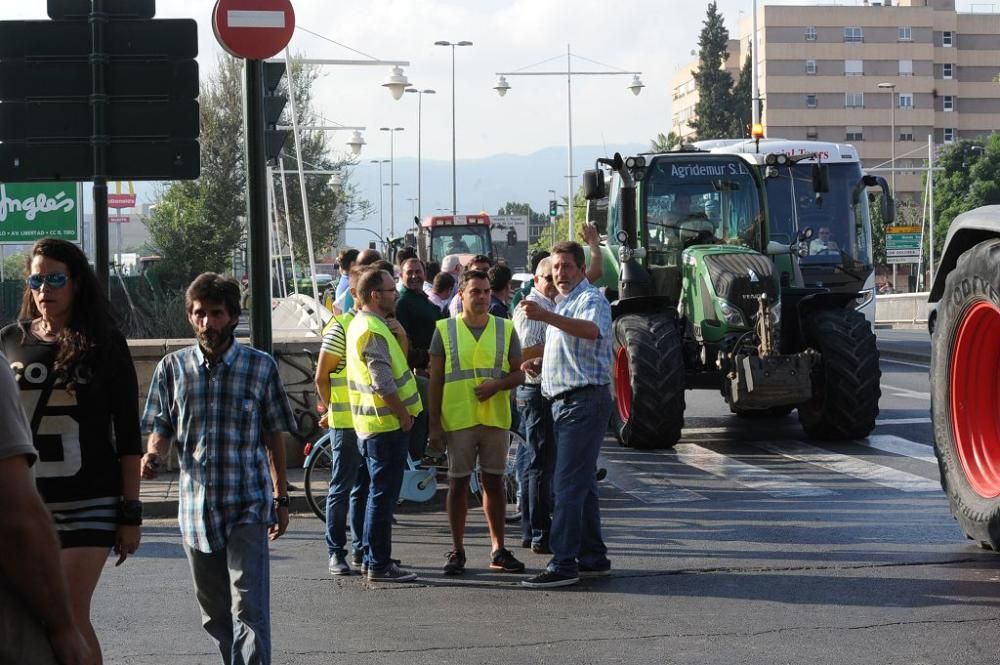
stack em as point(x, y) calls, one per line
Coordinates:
point(489, 444)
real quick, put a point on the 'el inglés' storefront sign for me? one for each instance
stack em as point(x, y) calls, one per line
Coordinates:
point(29, 211)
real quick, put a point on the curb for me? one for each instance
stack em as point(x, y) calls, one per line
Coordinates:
point(888, 354)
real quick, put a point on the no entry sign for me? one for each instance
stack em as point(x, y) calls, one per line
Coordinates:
point(253, 29)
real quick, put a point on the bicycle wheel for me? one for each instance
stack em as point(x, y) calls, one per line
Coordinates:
point(317, 475)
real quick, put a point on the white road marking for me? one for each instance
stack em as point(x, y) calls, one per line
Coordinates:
point(255, 19)
point(850, 466)
point(903, 362)
point(647, 487)
point(902, 421)
point(906, 392)
point(755, 477)
point(899, 446)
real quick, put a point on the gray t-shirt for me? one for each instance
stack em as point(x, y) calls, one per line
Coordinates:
point(437, 344)
point(15, 431)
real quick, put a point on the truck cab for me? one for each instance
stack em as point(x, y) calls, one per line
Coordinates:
point(465, 235)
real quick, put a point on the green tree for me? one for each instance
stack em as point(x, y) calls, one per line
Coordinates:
point(13, 266)
point(713, 112)
point(562, 225)
point(664, 143)
point(741, 108)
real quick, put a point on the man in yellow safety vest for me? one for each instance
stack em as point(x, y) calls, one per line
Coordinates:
point(475, 363)
point(383, 396)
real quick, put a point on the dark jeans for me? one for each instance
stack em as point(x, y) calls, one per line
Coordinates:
point(348, 494)
point(539, 464)
point(579, 421)
point(385, 455)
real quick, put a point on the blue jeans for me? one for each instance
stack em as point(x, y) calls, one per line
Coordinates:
point(538, 464)
point(348, 493)
point(385, 455)
point(580, 421)
point(233, 587)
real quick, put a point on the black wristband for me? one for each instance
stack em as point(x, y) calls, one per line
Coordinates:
point(281, 502)
point(130, 512)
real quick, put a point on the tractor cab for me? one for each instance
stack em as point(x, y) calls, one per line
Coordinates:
point(465, 235)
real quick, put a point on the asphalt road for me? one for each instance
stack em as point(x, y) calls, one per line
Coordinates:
point(745, 544)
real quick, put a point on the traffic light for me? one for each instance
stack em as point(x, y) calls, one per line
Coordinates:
point(274, 104)
point(553, 209)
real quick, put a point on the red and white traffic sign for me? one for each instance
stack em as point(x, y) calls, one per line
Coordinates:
point(253, 29)
point(121, 201)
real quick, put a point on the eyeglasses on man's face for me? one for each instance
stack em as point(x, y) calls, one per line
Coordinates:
point(55, 280)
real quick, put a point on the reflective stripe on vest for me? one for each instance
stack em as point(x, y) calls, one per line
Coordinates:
point(469, 362)
point(339, 406)
point(370, 414)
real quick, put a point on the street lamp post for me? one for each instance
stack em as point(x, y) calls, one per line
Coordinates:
point(381, 226)
point(454, 188)
point(891, 87)
point(420, 99)
point(413, 205)
point(503, 86)
point(392, 176)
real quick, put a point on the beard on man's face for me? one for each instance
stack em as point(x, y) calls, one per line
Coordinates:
point(214, 340)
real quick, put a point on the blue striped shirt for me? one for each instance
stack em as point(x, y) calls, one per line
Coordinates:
point(217, 417)
point(570, 362)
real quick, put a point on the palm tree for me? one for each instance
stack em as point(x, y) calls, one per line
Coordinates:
point(665, 143)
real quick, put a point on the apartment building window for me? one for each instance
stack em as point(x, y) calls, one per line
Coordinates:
point(904, 34)
point(854, 100)
point(949, 103)
point(854, 34)
point(854, 67)
point(811, 34)
point(812, 133)
point(906, 68)
point(949, 134)
point(811, 101)
point(855, 134)
point(947, 39)
point(810, 66)
point(905, 133)
point(947, 70)
point(905, 100)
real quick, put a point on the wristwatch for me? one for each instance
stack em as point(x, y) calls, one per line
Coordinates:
point(130, 512)
point(281, 502)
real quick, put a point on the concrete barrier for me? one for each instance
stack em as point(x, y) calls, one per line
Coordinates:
point(902, 309)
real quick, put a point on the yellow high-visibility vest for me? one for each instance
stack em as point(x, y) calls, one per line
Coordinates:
point(370, 414)
point(339, 406)
point(469, 362)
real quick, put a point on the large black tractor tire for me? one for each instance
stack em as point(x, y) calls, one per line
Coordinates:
point(648, 381)
point(845, 382)
point(965, 391)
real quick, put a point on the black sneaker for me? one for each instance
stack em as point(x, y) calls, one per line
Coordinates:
point(600, 571)
point(391, 573)
point(456, 563)
point(541, 548)
point(357, 558)
point(338, 565)
point(549, 580)
point(364, 566)
point(505, 561)
point(526, 543)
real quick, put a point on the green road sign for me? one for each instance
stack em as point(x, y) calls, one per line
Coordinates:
point(29, 211)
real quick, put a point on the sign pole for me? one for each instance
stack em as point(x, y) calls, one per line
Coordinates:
point(99, 139)
point(260, 288)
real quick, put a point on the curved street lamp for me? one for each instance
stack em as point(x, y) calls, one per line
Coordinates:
point(396, 83)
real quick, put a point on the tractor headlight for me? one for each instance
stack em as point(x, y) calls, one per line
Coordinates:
point(732, 314)
point(864, 297)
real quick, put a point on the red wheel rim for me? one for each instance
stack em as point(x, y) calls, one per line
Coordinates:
point(623, 385)
point(975, 397)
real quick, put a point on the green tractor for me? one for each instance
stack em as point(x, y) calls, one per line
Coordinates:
point(705, 300)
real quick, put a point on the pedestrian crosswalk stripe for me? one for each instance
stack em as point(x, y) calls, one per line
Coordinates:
point(902, 421)
point(645, 486)
point(850, 466)
point(755, 477)
point(899, 446)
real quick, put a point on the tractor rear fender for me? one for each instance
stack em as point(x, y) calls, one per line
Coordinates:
point(798, 305)
point(968, 230)
point(641, 305)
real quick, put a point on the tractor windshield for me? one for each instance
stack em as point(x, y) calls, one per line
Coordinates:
point(699, 200)
point(840, 218)
point(460, 240)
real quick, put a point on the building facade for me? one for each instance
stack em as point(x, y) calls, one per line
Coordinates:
point(881, 76)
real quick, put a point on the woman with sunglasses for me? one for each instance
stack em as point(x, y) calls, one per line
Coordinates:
point(79, 390)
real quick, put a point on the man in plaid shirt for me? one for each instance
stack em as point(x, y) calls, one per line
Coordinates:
point(225, 406)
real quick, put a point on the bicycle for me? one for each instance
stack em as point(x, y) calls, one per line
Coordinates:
point(419, 483)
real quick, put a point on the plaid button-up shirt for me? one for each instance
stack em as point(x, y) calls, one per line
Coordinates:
point(217, 415)
point(574, 362)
